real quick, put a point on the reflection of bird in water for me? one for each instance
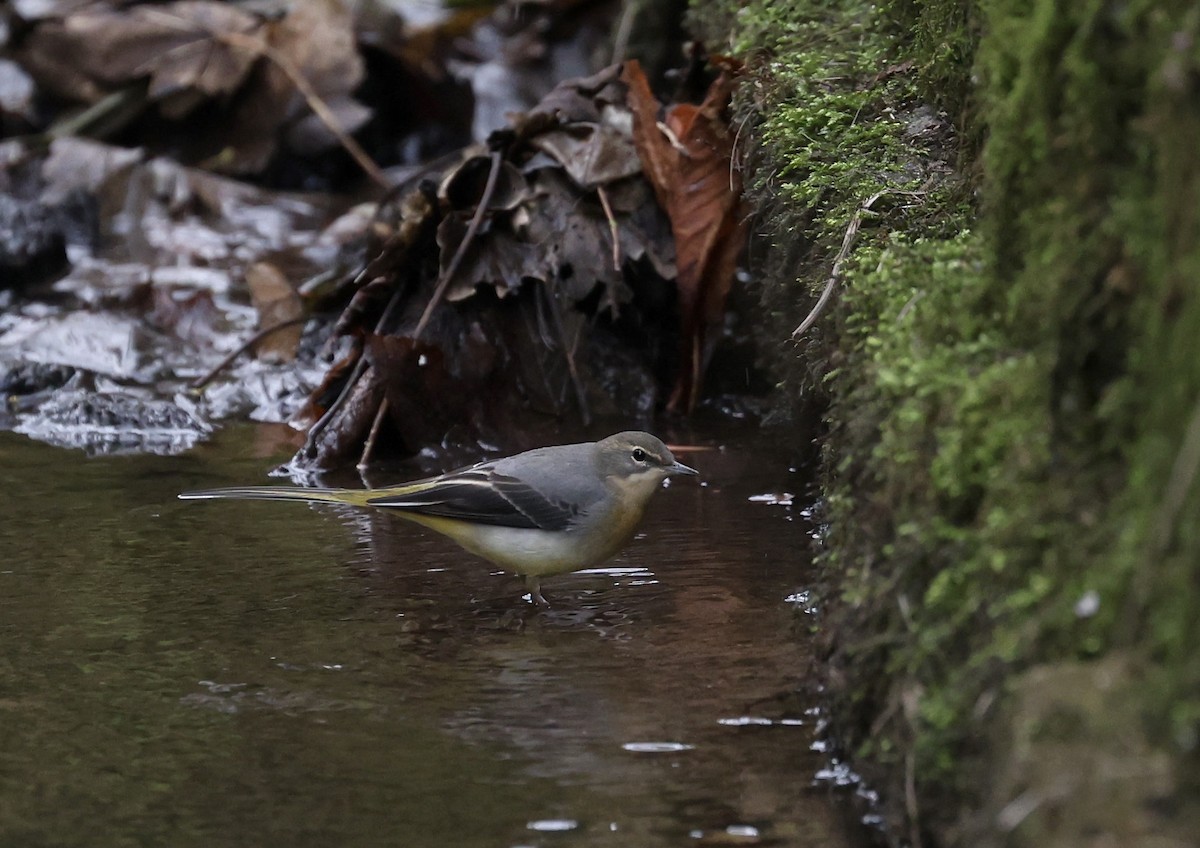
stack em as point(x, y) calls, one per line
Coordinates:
point(546, 511)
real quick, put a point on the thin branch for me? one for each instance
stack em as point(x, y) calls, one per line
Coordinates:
point(612, 228)
point(1183, 475)
point(910, 801)
point(199, 383)
point(569, 354)
point(369, 447)
point(472, 229)
point(836, 273)
point(624, 30)
point(737, 140)
point(315, 101)
point(674, 141)
point(310, 442)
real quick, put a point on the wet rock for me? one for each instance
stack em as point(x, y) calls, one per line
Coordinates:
point(1077, 767)
point(16, 98)
point(114, 421)
point(33, 247)
point(99, 343)
point(260, 392)
point(29, 378)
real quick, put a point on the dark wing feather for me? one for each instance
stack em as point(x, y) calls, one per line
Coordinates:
point(485, 497)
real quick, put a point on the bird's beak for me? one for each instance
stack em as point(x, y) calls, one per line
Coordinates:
point(678, 467)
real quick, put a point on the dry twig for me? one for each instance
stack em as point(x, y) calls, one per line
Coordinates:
point(315, 101)
point(472, 229)
point(199, 383)
point(569, 354)
point(836, 273)
point(612, 228)
point(310, 442)
point(369, 447)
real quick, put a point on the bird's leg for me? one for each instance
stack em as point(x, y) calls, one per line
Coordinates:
point(534, 585)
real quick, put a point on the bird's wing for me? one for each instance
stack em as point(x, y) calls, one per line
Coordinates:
point(483, 496)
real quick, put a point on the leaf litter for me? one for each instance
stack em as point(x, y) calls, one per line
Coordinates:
point(567, 264)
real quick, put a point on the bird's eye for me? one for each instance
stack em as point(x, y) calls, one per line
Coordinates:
point(639, 455)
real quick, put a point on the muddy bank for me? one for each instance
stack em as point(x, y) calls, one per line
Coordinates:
point(994, 211)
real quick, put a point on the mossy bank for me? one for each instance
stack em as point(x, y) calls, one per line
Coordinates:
point(1003, 199)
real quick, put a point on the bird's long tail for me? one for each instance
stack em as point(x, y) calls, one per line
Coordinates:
point(354, 497)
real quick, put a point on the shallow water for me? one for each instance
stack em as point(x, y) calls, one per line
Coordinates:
point(181, 673)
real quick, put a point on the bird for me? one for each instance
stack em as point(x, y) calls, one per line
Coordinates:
point(543, 512)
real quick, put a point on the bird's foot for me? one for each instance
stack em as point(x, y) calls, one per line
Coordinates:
point(535, 591)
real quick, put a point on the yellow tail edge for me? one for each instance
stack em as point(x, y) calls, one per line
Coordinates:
point(355, 497)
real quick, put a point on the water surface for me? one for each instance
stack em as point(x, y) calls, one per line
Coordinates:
point(182, 673)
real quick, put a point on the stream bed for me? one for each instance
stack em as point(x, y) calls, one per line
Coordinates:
point(180, 673)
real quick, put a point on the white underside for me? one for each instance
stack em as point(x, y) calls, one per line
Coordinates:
point(541, 552)
point(537, 552)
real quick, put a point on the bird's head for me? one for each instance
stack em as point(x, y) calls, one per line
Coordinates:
point(637, 463)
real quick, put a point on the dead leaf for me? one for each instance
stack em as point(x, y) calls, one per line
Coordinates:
point(316, 42)
point(497, 257)
point(179, 47)
point(317, 38)
point(573, 236)
point(463, 187)
point(189, 315)
point(688, 159)
point(267, 77)
point(593, 154)
point(343, 436)
point(573, 101)
point(277, 303)
point(659, 159)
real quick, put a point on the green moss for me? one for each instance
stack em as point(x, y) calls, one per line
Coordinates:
point(961, 462)
point(831, 141)
point(940, 37)
point(1093, 189)
point(831, 118)
point(1013, 391)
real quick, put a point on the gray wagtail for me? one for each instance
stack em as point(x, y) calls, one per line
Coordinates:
point(542, 512)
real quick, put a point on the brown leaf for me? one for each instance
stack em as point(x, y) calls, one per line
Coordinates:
point(688, 160)
point(317, 38)
point(573, 101)
point(343, 436)
point(180, 47)
point(277, 303)
point(270, 76)
point(495, 257)
point(659, 159)
point(316, 41)
point(574, 241)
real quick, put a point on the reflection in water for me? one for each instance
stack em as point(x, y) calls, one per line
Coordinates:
point(250, 674)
